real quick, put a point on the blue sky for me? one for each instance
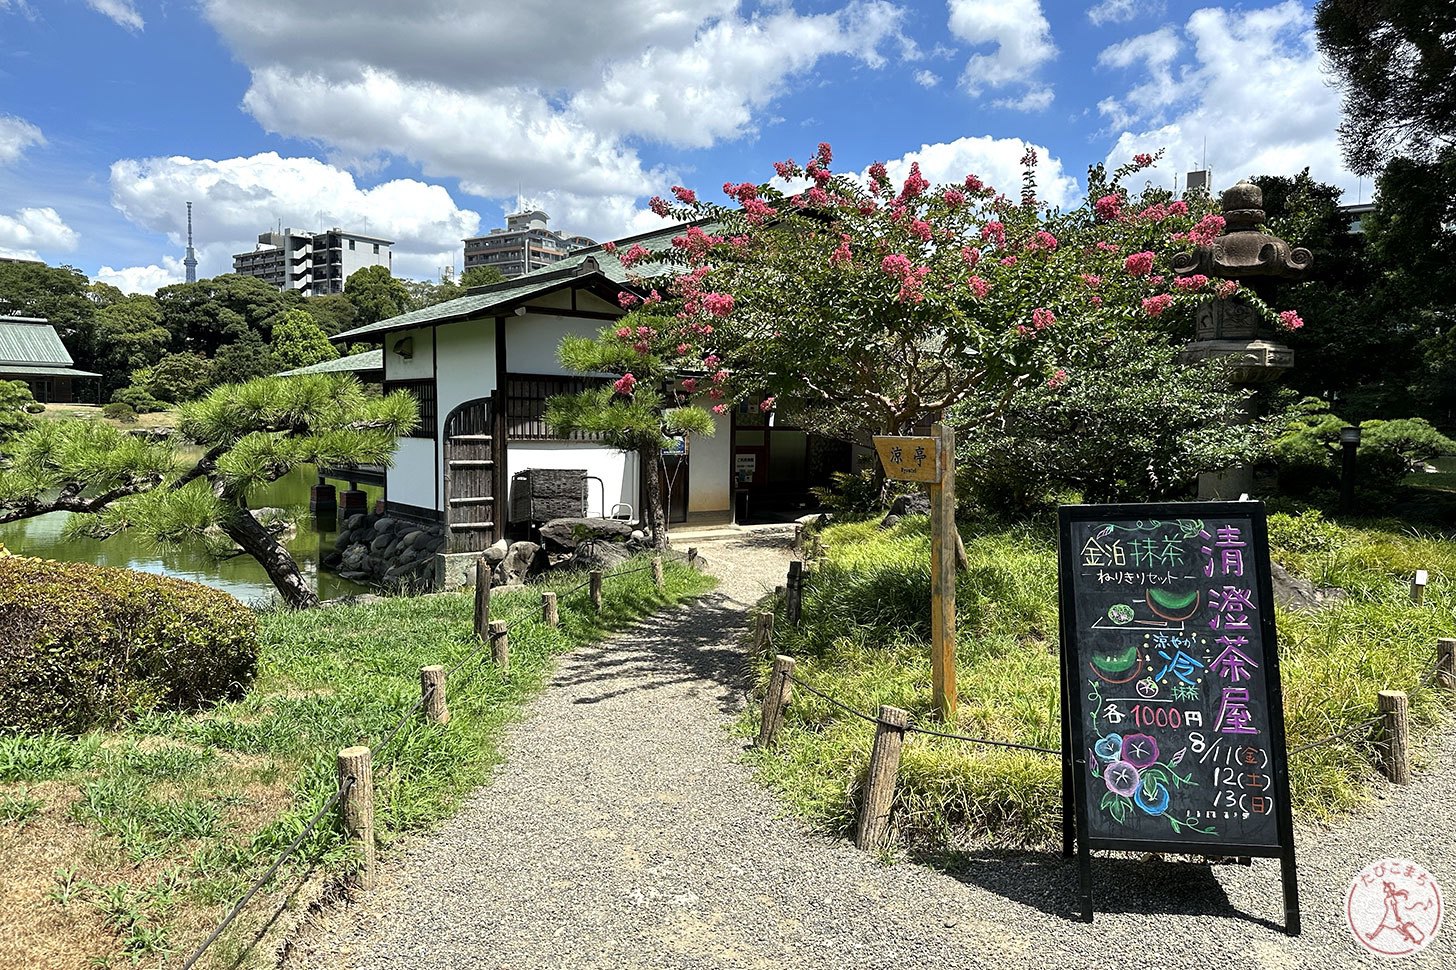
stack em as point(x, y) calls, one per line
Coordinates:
point(425, 121)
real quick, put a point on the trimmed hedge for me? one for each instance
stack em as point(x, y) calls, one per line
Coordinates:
point(84, 645)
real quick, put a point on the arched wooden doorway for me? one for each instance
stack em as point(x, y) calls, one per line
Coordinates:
point(474, 459)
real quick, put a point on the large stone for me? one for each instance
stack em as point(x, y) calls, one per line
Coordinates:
point(385, 524)
point(380, 542)
point(1293, 592)
point(497, 552)
point(354, 521)
point(412, 538)
point(601, 555)
point(916, 503)
point(564, 535)
point(522, 560)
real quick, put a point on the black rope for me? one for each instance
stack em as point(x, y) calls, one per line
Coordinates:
point(263, 879)
point(999, 744)
point(1355, 728)
point(839, 704)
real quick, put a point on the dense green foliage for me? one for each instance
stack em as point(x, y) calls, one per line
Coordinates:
point(213, 798)
point(481, 276)
point(120, 411)
point(1307, 453)
point(864, 634)
point(16, 406)
point(375, 294)
point(139, 399)
point(90, 645)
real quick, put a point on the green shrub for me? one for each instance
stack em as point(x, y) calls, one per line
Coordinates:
point(1307, 452)
point(120, 411)
point(139, 398)
point(851, 494)
point(82, 645)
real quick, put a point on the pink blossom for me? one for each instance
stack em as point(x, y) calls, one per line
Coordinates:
point(896, 265)
point(826, 154)
point(1290, 320)
point(624, 333)
point(868, 207)
point(974, 184)
point(609, 247)
point(879, 175)
point(646, 332)
point(979, 287)
point(841, 252)
point(716, 393)
point(921, 230)
point(954, 197)
point(627, 300)
point(710, 361)
point(718, 304)
point(1058, 378)
point(1091, 279)
point(696, 243)
point(915, 183)
point(1195, 282)
point(685, 196)
point(682, 350)
point(636, 254)
point(1096, 300)
point(817, 197)
point(1209, 228)
point(1139, 264)
point(1008, 261)
point(642, 346)
point(1142, 159)
point(739, 243)
point(690, 384)
point(758, 210)
point(1043, 240)
point(970, 255)
point(720, 377)
point(786, 169)
point(1179, 208)
point(1155, 305)
point(1041, 318)
point(1154, 213)
point(1107, 247)
point(659, 205)
point(720, 408)
point(767, 404)
point(995, 232)
point(1024, 330)
point(1155, 280)
point(1109, 207)
point(624, 384)
point(1226, 289)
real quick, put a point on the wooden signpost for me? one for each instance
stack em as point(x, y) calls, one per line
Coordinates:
point(932, 461)
point(1172, 719)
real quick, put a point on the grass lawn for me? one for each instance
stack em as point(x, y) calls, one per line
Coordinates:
point(92, 412)
point(864, 641)
point(126, 847)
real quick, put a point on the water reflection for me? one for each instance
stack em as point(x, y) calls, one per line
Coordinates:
point(240, 575)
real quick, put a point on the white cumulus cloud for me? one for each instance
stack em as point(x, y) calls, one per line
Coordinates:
point(1253, 92)
point(1023, 43)
point(143, 279)
point(1154, 53)
point(996, 161)
point(235, 199)
point(122, 11)
point(32, 233)
point(926, 79)
point(1121, 11)
point(16, 135)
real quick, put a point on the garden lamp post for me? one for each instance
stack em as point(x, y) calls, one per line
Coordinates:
point(1349, 444)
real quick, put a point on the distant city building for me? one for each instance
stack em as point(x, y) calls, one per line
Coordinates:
point(524, 245)
point(315, 263)
point(1356, 213)
point(32, 351)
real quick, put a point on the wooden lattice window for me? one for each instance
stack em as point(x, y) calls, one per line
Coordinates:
point(424, 394)
point(526, 396)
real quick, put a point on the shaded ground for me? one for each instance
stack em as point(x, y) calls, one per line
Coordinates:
point(625, 831)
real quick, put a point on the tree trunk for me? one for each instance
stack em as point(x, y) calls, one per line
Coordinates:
point(656, 520)
point(276, 561)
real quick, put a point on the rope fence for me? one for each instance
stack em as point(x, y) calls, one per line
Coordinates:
point(1388, 730)
point(354, 795)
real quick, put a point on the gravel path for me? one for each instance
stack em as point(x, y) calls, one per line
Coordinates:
point(625, 831)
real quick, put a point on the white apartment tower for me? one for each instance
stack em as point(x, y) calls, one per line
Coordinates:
point(314, 263)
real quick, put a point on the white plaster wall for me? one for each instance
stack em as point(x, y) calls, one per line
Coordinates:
point(618, 471)
point(465, 369)
point(709, 470)
point(412, 477)
point(419, 367)
point(532, 339)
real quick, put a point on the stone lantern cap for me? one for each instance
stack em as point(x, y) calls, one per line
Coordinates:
point(1243, 252)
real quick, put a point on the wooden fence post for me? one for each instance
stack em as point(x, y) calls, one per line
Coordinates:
point(798, 537)
point(1446, 662)
point(595, 582)
point(692, 558)
point(500, 645)
point(356, 809)
point(658, 579)
point(549, 614)
point(432, 691)
point(1395, 733)
point(1418, 587)
point(780, 687)
point(879, 791)
point(483, 574)
point(796, 591)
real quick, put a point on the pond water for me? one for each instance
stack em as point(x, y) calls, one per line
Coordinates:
point(241, 576)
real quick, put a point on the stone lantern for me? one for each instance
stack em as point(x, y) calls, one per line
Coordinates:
point(1229, 328)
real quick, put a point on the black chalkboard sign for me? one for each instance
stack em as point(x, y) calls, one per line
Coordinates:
point(1173, 727)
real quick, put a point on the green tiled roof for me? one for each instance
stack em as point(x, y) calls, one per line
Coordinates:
point(27, 340)
point(7, 371)
point(480, 301)
point(369, 360)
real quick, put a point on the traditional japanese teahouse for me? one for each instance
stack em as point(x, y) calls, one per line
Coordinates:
point(32, 351)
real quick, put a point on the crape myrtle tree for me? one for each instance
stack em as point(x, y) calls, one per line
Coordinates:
point(252, 434)
point(870, 307)
point(647, 405)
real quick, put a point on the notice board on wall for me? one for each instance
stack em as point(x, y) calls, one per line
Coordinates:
point(1173, 729)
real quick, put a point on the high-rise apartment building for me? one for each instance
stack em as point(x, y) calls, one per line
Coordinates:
point(525, 244)
point(315, 263)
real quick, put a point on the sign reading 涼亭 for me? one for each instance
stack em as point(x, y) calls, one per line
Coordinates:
point(908, 459)
point(1173, 728)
